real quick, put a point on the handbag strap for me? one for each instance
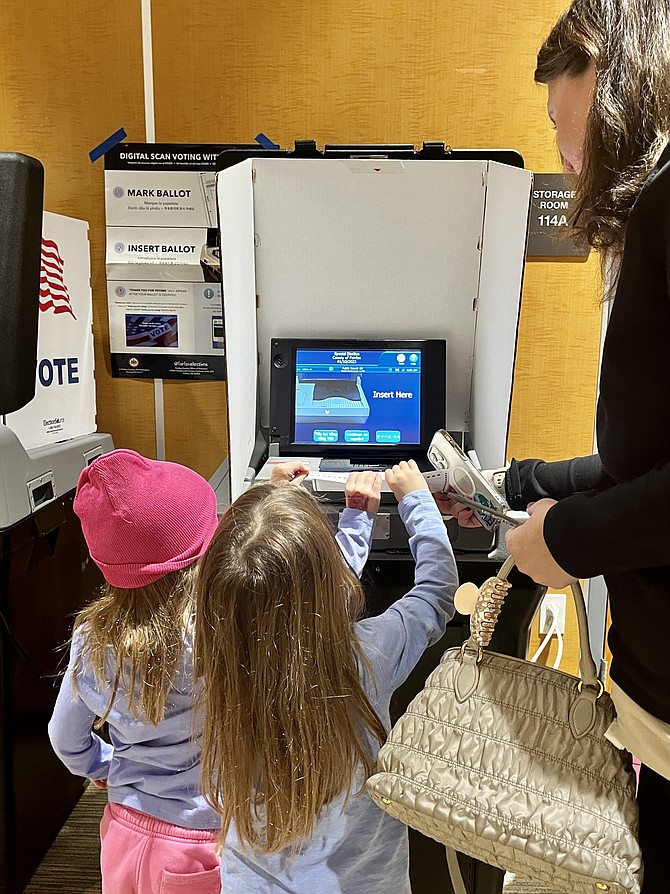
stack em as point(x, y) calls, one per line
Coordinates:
point(587, 667)
point(484, 617)
point(455, 874)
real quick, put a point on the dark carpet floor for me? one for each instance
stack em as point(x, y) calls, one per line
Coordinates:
point(72, 865)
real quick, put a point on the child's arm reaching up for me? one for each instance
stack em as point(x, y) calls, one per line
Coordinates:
point(395, 640)
point(354, 531)
point(291, 472)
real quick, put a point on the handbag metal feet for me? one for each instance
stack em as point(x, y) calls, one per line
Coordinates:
point(507, 761)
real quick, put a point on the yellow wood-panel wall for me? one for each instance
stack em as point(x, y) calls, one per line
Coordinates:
point(70, 75)
point(331, 70)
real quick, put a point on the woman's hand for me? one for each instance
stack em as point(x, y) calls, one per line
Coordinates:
point(293, 472)
point(405, 478)
point(530, 552)
point(362, 490)
point(447, 503)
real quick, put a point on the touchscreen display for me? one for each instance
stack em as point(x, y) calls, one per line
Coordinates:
point(344, 396)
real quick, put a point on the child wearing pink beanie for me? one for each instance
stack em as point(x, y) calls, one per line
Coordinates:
point(146, 524)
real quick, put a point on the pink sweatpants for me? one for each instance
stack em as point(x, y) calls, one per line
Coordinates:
point(143, 855)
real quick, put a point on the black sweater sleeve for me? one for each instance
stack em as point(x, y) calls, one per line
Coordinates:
point(619, 529)
point(533, 479)
point(598, 526)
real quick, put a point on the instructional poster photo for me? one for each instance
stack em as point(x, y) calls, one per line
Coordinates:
point(163, 266)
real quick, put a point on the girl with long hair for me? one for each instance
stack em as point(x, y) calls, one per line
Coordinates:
point(147, 524)
point(297, 690)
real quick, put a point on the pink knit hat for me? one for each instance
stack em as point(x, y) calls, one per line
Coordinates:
point(142, 518)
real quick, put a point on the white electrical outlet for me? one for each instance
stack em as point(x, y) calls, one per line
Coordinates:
point(557, 601)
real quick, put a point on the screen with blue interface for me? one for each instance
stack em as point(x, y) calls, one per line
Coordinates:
point(357, 397)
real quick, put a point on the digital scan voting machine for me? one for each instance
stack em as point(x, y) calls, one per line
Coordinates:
point(369, 302)
point(365, 402)
point(366, 301)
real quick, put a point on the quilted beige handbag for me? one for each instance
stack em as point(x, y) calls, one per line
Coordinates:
point(506, 761)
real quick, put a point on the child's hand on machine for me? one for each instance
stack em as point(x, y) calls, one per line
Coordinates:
point(405, 478)
point(362, 490)
point(293, 472)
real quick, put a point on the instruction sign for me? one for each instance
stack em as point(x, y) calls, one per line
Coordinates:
point(162, 260)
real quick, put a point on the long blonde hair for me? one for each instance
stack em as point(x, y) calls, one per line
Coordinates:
point(134, 638)
point(628, 125)
point(286, 715)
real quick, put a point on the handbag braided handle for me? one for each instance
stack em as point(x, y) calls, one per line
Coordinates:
point(487, 609)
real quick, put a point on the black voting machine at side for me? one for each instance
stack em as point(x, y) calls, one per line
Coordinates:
point(44, 573)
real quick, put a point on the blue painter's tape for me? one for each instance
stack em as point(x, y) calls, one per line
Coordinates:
point(108, 144)
point(265, 142)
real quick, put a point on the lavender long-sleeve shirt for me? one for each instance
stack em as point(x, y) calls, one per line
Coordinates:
point(156, 768)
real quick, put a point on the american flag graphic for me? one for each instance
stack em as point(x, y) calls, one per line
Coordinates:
point(53, 291)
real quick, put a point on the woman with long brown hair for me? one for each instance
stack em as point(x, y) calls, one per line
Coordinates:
point(297, 690)
point(606, 64)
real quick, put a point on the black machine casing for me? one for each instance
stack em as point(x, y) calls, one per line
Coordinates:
point(46, 575)
point(21, 189)
point(429, 151)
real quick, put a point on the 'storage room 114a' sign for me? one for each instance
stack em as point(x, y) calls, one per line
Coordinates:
point(549, 231)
